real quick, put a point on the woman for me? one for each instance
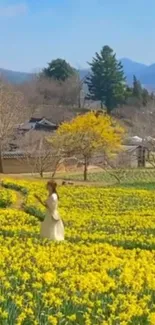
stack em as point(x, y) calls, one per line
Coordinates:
point(52, 227)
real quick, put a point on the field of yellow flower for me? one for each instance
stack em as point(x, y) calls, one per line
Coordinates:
point(104, 272)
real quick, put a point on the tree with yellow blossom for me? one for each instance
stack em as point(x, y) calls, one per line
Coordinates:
point(88, 135)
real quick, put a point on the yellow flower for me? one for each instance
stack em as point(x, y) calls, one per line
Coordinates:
point(52, 320)
point(49, 277)
point(21, 318)
point(4, 314)
point(72, 318)
point(92, 277)
point(152, 318)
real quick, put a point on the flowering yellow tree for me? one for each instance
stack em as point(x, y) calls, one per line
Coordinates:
point(88, 134)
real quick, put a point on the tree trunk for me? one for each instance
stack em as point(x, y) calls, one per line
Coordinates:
point(41, 174)
point(85, 168)
point(108, 111)
point(141, 157)
point(109, 106)
point(56, 167)
point(1, 161)
point(144, 157)
point(79, 100)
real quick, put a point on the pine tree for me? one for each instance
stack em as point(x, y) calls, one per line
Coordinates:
point(106, 82)
point(137, 89)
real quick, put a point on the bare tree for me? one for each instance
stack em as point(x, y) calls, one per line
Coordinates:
point(73, 92)
point(32, 97)
point(68, 93)
point(12, 112)
point(138, 121)
point(38, 153)
point(52, 99)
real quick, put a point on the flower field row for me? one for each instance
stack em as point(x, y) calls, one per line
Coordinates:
point(7, 197)
point(104, 272)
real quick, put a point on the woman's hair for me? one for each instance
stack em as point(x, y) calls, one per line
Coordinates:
point(53, 185)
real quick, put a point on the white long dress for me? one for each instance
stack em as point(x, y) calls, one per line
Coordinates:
point(52, 227)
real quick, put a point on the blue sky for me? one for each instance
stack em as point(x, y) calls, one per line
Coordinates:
point(33, 32)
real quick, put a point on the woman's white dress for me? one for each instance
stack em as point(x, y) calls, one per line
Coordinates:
point(52, 227)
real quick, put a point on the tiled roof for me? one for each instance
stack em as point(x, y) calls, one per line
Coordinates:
point(13, 154)
point(35, 119)
point(19, 154)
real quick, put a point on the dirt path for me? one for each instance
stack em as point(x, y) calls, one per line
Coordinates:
point(19, 202)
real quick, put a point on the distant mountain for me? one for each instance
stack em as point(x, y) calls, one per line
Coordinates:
point(131, 67)
point(145, 73)
point(15, 76)
point(83, 73)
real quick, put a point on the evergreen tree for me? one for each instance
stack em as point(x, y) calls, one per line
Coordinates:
point(106, 82)
point(137, 89)
point(145, 97)
point(140, 95)
point(59, 70)
point(128, 93)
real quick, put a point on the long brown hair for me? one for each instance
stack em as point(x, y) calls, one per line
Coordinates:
point(53, 185)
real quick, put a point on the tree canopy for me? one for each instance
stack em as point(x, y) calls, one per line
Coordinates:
point(87, 134)
point(59, 70)
point(106, 82)
point(137, 95)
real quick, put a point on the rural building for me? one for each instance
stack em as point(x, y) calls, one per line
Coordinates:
point(16, 162)
point(41, 124)
point(134, 156)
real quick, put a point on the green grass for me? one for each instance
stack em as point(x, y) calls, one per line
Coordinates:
point(129, 178)
point(139, 185)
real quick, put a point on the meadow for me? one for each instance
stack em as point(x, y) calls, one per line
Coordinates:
point(127, 177)
point(104, 272)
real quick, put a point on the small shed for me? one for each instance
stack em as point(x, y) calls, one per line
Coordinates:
point(137, 156)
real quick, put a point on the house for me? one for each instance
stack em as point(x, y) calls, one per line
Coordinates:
point(37, 124)
point(133, 141)
point(41, 124)
point(45, 125)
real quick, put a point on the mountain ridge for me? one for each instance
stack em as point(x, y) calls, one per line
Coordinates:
point(144, 73)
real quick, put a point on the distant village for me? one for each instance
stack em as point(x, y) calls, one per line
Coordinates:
point(134, 154)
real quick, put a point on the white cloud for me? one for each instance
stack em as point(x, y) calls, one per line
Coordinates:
point(13, 10)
